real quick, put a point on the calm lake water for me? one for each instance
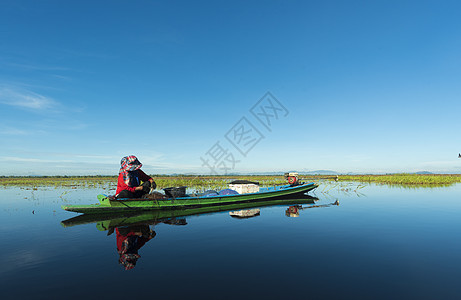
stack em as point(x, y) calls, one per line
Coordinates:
point(388, 243)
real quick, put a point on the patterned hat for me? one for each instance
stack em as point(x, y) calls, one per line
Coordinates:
point(130, 163)
point(128, 260)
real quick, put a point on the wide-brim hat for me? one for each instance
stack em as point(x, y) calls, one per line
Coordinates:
point(130, 163)
point(128, 260)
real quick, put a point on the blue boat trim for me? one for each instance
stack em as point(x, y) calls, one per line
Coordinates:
point(261, 191)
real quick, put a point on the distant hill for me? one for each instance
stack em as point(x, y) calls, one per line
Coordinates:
point(423, 172)
point(314, 172)
point(319, 172)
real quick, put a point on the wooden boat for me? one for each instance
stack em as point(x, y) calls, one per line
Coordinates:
point(128, 218)
point(110, 205)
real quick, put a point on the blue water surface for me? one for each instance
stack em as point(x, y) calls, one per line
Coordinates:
point(384, 243)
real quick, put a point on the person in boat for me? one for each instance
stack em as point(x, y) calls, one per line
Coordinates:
point(130, 177)
point(129, 240)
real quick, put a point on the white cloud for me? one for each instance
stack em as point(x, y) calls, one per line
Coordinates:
point(35, 67)
point(12, 131)
point(35, 160)
point(26, 99)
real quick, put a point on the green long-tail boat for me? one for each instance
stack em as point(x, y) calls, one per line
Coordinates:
point(129, 218)
point(108, 204)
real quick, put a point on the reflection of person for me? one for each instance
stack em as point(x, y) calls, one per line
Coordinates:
point(292, 211)
point(130, 177)
point(129, 241)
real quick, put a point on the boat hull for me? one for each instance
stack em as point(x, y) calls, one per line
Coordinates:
point(108, 205)
point(129, 218)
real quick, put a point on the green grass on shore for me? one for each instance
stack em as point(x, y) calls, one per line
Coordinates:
point(405, 179)
point(111, 181)
point(221, 181)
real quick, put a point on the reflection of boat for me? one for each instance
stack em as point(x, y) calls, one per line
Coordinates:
point(245, 213)
point(107, 221)
point(109, 204)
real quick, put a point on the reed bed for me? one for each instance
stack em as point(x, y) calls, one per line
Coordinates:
point(111, 181)
point(405, 179)
point(56, 181)
point(214, 182)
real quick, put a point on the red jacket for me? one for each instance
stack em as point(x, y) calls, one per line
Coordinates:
point(120, 238)
point(121, 184)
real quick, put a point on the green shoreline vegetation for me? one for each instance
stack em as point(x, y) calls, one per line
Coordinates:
point(111, 181)
point(221, 181)
point(405, 179)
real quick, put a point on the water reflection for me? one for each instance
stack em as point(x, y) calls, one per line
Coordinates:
point(129, 240)
point(134, 230)
point(245, 213)
point(293, 210)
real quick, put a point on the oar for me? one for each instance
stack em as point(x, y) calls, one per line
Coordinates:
point(322, 205)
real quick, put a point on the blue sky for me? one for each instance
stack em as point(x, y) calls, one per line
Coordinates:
point(360, 86)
